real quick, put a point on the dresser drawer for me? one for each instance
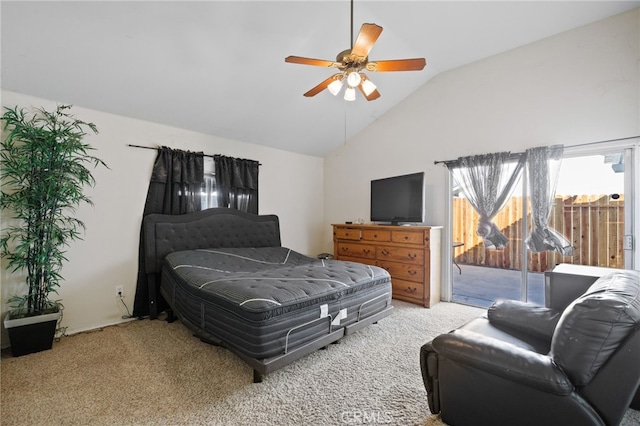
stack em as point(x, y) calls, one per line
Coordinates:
point(404, 289)
point(364, 251)
point(404, 271)
point(408, 237)
point(400, 254)
point(376, 235)
point(347, 234)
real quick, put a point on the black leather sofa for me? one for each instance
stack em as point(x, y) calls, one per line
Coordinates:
point(523, 364)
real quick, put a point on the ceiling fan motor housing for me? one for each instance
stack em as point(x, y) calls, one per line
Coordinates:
point(346, 60)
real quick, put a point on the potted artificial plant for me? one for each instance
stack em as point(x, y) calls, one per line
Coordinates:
point(44, 170)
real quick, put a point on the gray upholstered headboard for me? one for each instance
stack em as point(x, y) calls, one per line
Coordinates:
point(211, 228)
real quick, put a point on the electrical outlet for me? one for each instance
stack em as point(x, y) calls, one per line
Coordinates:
point(119, 291)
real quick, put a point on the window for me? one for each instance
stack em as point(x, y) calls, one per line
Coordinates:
point(209, 196)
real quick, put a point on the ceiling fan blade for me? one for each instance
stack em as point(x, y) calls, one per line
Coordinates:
point(367, 36)
point(310, 61)
point(320, 87)
point(415, 64)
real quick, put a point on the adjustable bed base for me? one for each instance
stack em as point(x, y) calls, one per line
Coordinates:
point(225, 275)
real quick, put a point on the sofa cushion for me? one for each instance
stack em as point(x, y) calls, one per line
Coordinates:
point(512, 336)
point(525, 317)
point(594, 325)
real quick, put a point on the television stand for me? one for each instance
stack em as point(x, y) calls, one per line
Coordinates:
point(410, 254)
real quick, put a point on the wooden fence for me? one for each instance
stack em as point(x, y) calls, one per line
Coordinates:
point(594, 224)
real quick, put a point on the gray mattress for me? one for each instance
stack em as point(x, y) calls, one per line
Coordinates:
point(267, 300)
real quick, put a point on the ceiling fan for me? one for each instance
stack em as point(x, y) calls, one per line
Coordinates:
point(353, 61)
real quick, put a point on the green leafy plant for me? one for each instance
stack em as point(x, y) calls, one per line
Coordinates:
point(45, 168)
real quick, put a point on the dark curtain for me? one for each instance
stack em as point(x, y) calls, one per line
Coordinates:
point(237, 183)
point(175, 187)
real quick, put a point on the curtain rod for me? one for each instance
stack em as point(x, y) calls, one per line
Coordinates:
point(516, 155)
point(150, 147)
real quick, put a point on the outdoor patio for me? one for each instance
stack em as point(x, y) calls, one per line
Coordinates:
point(481, 286)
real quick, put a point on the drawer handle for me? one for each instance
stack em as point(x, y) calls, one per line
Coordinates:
point(366, 251)
point(412, 272)
point(406, 237)
point(412, 256)
point(412, 290)
point(345, 249)
point(385, 252)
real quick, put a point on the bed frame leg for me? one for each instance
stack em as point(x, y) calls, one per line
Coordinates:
point(170, 316)
point(257, 376)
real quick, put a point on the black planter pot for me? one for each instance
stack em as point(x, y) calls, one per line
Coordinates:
point(31, 334)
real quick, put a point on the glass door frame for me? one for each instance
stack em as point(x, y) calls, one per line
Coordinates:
point(631, 151)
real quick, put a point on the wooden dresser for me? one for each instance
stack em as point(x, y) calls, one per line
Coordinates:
point(411, 254)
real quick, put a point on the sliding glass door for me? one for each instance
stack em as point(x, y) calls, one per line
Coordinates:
point(592, 209)
point(480, 274)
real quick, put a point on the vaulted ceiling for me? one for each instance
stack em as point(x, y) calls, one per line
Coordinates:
point(217, 67)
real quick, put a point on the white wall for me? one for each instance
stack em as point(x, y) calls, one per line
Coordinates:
point(576, 87)
point(290, 186)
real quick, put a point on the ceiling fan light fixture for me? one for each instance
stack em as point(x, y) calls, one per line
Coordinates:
point(368, 87)
point(350, 94)
point(353, 60)
point(353, 78)
point(335, 86)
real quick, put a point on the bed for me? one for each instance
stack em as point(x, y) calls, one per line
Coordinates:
point(226, 276)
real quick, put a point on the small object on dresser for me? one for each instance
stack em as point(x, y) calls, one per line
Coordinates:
point(348, 223)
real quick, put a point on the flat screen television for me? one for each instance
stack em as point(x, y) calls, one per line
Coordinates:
point(398, 199)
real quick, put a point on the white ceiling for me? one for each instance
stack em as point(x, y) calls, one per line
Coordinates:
point(218, 67)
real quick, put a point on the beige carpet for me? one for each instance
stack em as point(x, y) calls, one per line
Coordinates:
point(154, 373)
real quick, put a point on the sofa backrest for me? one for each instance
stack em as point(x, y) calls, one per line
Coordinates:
point(593, 326)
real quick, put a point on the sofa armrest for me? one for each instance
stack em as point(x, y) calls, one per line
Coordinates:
point(503, 359)
point(429, 370)
point(525, 317)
